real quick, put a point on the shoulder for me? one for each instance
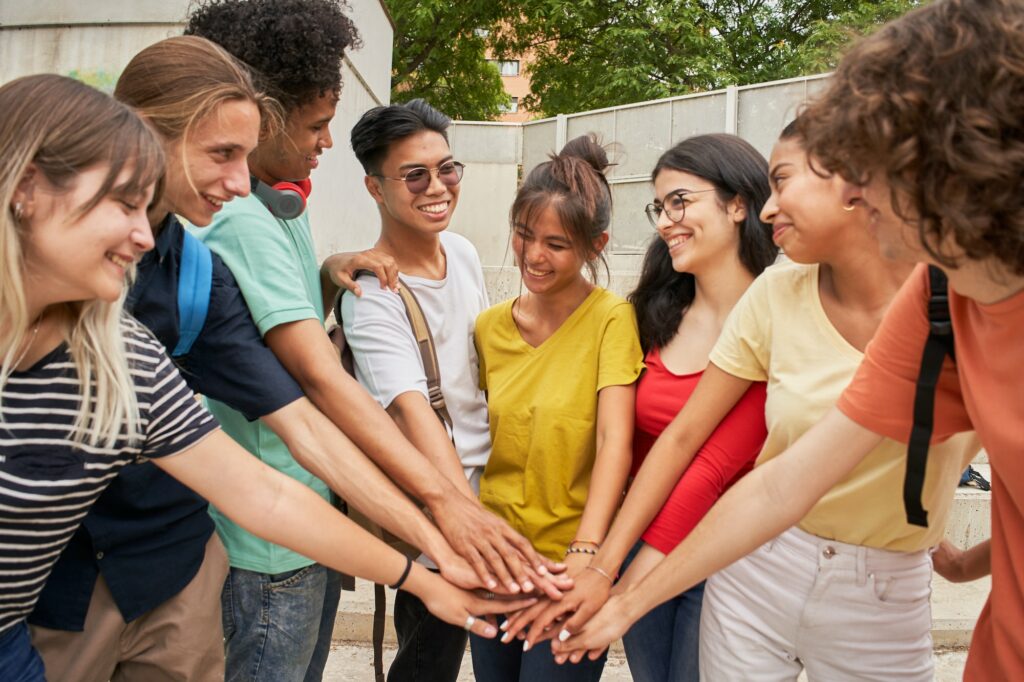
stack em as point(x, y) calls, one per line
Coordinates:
point(241, 213)
point(375, 303)
point(609, 305)
point(145, 353)
point(460, 251)
point(495, 315)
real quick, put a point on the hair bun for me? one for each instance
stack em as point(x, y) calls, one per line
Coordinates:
point(587, 148)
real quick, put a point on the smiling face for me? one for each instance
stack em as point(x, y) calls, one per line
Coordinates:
point(70, 257)
point(214, 154)
point(544, 252)
point(427, 212)
point(708, 230)
point(295, 153)
point(805, 208)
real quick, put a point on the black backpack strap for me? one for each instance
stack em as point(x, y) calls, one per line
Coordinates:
point(936, 348)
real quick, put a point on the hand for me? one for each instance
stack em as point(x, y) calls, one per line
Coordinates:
point(454, 605)
point(607, 625)
point(342, 267)
point(495, 551)
point(948, 560)
point(579, 604)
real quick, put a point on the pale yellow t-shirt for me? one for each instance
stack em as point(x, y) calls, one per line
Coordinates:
point(542, 404)
point(778, 332)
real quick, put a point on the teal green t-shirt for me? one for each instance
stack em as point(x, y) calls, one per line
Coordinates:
point(275, 265)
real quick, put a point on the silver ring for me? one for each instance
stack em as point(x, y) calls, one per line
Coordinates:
point(469, 623)
point(488, 595)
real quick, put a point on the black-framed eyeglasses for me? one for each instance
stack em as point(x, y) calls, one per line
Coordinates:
point(673, 205)
point(417, 180)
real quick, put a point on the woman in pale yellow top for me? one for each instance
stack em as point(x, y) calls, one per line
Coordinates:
point(559, 365)
point(845, 593)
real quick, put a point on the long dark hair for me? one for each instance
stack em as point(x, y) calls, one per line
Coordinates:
point(736, 169)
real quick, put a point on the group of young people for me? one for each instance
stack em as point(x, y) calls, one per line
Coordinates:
point(754, 414)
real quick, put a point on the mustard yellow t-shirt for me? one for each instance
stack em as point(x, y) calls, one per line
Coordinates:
point(543, 412)
point(778, 332)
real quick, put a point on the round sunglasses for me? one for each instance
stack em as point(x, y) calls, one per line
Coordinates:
point(417, 180)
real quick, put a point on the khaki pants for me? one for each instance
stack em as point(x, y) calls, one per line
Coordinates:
point(182, 639)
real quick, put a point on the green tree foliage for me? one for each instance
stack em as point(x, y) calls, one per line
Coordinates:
point(439, 55)
point(589, 54)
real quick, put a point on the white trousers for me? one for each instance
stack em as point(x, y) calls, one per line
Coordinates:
point(842, 612)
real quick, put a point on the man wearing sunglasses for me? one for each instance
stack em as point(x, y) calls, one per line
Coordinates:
point(411, 174)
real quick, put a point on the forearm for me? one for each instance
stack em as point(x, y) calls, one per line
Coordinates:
point(759, 507)
point(327, 453)
point(607, 483)
point(416, 419)
point(974, 563)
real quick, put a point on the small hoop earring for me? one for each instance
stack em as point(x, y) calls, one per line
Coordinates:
point(19, 212)
point(849, 207)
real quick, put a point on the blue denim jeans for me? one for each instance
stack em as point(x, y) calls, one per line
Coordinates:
point(19, 661)
point(429, 649)
point(663, 646)
point(497, 662)
point(277, 627)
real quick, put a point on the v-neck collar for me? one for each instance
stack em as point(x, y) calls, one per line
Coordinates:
point(569, 322)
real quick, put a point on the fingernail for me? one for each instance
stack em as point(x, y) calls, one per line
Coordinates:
point(504, 625)
point(489, 631)
point(506, 638)
point(491, 583)
point(528, 586)
point(541, 569)
point(526, 645)
point(513, 588)
point(564, 635)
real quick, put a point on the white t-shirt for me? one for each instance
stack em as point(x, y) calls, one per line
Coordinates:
point(387, 359)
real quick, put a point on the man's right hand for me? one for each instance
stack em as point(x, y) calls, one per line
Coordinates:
point(503, 559)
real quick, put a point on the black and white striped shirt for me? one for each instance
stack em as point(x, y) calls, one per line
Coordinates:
point(48, 482)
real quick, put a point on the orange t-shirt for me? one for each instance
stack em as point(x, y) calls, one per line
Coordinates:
point(984, 392)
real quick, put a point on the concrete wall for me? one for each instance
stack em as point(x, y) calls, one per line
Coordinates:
point(93, 40)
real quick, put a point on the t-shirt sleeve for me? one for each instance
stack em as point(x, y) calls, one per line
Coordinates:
point(743, 348)
point(257, 252)
point(621, 359)
point(386, 356)
point(881, 395)
point(730, 451)
point(172, 419)
point(229, 361)
point(479, 332)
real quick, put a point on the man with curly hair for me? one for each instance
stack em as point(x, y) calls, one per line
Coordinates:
point(923, 120)
point(295, 48)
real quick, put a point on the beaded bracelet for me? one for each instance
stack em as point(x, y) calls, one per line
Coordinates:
point(580, 550)
point(405, 575)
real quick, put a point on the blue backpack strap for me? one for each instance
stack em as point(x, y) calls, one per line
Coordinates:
point(195, 278)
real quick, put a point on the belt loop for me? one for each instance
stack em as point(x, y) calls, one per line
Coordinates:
point(862, 564)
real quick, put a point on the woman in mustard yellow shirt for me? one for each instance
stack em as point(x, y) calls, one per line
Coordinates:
point(559, 364)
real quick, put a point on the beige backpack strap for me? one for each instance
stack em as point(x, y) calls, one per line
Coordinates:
point(425, 341)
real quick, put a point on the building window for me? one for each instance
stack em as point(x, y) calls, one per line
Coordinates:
point(512, 107)
point(506, 67)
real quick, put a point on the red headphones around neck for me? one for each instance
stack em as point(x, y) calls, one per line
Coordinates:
point(285, 200)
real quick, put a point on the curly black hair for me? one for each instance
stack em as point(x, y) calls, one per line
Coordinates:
point(294, 47)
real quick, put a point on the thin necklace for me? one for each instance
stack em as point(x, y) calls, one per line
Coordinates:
point(31, 340)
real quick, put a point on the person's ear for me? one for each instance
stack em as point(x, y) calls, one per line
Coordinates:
point(736, 209)
point(851, 194)
point(373, 186)
point(23, 198)
point(597, 246)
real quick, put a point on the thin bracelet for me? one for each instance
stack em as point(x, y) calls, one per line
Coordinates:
point(600, 572)
point(405, 575)
point(585, 542)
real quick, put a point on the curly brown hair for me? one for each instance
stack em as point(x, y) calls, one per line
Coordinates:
point(294, 47)
point(935, 101)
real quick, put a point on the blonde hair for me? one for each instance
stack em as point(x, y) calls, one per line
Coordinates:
point(62, 128)
point(175, 83)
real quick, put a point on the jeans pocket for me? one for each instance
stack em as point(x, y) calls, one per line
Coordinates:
point(283, 581)
point(901, 589)
point(227, 607)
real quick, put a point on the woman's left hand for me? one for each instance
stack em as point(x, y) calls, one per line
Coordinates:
point(607, 625)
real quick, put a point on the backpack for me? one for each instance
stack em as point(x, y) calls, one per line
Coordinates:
point(428, 353)
point(938, 345)
point(195, 279)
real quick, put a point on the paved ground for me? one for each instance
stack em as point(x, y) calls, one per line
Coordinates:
point(354, 663)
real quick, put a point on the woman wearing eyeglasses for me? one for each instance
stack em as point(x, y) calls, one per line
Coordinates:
point(844, 593)
point(559, 364)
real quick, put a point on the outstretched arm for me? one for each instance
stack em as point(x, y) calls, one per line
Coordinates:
point(285, 512)
point(764, 503)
